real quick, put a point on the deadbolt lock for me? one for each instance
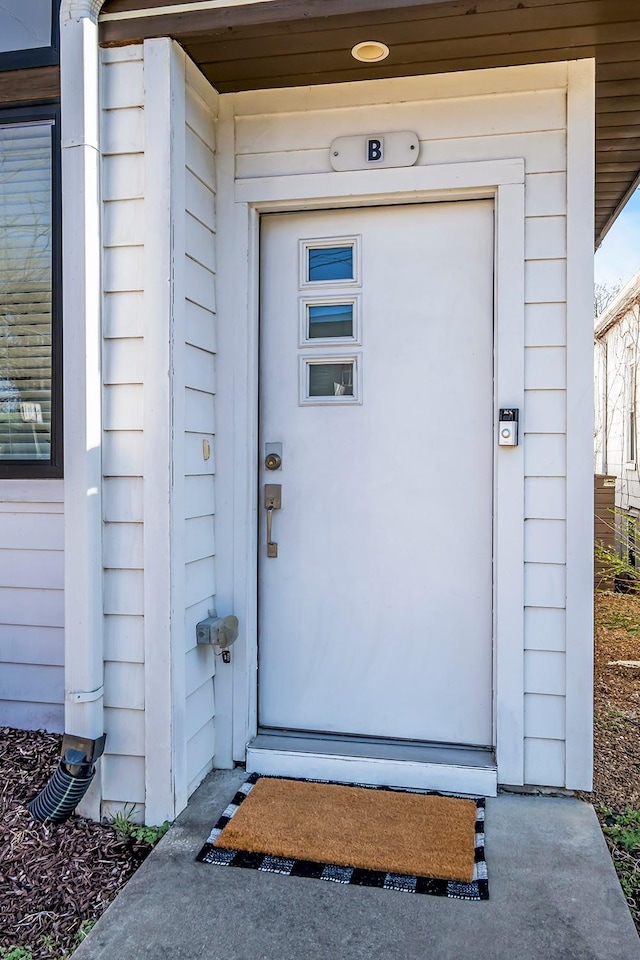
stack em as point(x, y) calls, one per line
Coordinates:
point(272, 461)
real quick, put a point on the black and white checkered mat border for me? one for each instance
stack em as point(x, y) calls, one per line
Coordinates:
point(477, 889)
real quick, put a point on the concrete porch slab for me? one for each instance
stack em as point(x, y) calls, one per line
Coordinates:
point(553, 887)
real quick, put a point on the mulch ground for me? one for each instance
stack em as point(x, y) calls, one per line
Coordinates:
point(57, 878)
point(617, 734)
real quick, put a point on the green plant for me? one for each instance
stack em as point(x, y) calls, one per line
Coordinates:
point(85, 929)
point(624, 829)
point(51, 946)
point(15, 953)
point(150, 835)
point(139, 831)
point(611, 566)
point(610, 721)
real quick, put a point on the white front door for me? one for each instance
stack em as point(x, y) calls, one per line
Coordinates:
point(376, 391)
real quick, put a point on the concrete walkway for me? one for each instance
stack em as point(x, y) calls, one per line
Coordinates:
point(554, 895)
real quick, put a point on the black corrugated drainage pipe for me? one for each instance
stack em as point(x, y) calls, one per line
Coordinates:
point(70, 781)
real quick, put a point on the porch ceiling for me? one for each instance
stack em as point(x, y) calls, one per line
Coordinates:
point(283, 43)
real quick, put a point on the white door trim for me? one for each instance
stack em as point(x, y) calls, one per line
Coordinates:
point(240, 205)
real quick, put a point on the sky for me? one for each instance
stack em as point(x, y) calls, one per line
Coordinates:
point(618, 258)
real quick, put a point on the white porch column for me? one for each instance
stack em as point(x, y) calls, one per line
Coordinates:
point(82, 376)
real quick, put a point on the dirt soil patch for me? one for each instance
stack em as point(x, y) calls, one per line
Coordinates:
point(616, 792)
point(55, 879)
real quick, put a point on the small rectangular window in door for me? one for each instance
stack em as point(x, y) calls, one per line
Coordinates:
point(330, 380)
point(330, 320)
point(331, 260)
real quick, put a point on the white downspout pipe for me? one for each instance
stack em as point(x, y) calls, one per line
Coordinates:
point(81, 258)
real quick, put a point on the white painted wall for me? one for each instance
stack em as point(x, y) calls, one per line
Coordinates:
point(162, 392)
point(486, 115)
point(159, 387)
point(32, 604)
point(198, 428)
point(124, 369)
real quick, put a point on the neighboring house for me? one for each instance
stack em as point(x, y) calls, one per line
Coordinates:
point(617, 334)
point(242, 257)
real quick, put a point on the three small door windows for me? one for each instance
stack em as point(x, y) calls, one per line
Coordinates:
point(330, 318)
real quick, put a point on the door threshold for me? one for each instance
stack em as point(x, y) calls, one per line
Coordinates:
point(393, 763)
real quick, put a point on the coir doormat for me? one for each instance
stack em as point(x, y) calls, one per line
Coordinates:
point(367, 836)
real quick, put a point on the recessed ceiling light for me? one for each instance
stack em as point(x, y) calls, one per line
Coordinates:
point(370, 51)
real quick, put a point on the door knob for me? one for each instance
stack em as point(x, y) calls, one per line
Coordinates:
point(272, 461)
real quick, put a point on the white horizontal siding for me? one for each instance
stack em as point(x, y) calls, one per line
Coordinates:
point(545, 541)
point(123, 314)
point(31, 645)
point(201, 708)
point(544, 628)
point(123, 177)
point(127, 135)
point(545, 325)
point(18, 568)
point(200, 754)
point(546, 237)
point(545, 411)
point(544, 672)
point(199, 538)
point(200, 327)
point(545, 455)
point(126, 731)
point(124, 638)
point(545, 368)
point(124, 592)
point(200, 662)
point(122, 780)
point(35, 683)
point(123, 222)
point(123, 405)
point(200, 411)
point(201, 201)
point(432, 120)
point(123, 82)
point(545, 497)
point(198, 531)
point(544, 761)
point(33, 531)
point(26, 715)
point(544, 716)
point(544, 152)
point(124, 370)
point(201, 367)
point(32, 605)
point(124, 685)
point(122, 546)
point(546, 196)
point(544, 585)
point(122, 499)
point(200, 497)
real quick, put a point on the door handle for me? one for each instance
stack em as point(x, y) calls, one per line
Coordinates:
point(272, 501)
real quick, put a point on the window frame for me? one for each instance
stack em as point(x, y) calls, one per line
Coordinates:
point(36, 56)
point(53, 467)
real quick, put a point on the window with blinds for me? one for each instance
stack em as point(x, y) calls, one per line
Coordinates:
point(26, 291)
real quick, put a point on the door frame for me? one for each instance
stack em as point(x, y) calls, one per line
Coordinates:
point(241, 203)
